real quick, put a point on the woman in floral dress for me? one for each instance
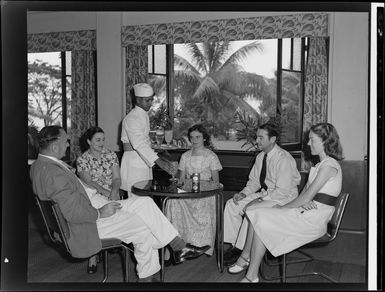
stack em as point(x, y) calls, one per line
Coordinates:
point(195, 218)
point(99, 168)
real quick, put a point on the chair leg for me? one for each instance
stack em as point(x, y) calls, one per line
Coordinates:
point(126, 263)
point(105, 265)
point(283, 264)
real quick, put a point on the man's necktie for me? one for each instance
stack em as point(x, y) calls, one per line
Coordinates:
point(262, 176)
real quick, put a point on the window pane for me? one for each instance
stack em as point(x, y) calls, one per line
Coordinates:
point(149, 59)
point(160, 59)
point(44, 89)
point(291, 107)
point(211, 94)
point(297, 45)
point(68, 63)
point(286, 53)
point(158, 111)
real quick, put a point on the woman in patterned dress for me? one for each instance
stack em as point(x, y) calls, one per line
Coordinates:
point(195, 218)
point(282, 229)
point(99, 168)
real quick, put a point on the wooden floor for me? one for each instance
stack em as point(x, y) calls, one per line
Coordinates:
point(48, 264)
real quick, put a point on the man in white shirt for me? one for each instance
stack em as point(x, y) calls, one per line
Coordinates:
point(280, 178)
point(138, 157)
point(91, 216)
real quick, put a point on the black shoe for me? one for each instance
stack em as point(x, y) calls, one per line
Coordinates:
point(188, 252)
point(231, 256)
point(167, 263)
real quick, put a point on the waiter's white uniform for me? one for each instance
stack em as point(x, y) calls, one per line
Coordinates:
point(136, 165)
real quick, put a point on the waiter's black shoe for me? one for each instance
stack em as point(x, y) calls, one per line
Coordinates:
point(188, 252)
point(231, 255)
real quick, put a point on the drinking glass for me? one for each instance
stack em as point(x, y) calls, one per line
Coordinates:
point(168, 136)
point(152, 135)
point(159, 136)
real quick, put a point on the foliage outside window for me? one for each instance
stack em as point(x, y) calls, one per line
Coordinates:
point(49, 90)
point(231, 87)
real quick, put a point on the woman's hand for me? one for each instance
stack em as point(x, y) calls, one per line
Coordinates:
point(308, 206)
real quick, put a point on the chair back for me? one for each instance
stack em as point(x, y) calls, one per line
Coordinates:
point(54, 221)
point(335, 221)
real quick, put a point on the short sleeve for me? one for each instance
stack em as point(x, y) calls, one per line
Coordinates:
point(215, 164)
point(82, 164)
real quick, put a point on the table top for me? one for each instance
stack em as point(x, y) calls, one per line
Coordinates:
point(152, 187)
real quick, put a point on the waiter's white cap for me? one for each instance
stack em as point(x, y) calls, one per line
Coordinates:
point(143, 90)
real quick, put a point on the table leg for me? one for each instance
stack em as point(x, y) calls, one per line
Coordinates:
point(219, 234)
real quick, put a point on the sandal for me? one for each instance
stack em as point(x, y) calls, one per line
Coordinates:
point(236, 269)
point(247, 280)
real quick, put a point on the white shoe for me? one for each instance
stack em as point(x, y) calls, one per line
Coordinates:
point(236, 269)
point(247, 280)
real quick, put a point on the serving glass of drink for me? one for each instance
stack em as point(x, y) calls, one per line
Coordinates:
point(168, 136)
point(159, 136)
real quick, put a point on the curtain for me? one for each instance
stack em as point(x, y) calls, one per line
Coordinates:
point(83, 97)
point(316, 83)
point(316, 93)
point(136, 69)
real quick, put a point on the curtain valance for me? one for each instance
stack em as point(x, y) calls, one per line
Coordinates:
point(282, 26)
point(62, 41)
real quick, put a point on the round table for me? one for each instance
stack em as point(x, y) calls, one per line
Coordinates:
point(169, 190)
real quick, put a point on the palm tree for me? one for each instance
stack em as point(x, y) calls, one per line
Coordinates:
point(215, 85)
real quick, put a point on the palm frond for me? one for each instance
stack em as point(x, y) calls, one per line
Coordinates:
point(243, 52)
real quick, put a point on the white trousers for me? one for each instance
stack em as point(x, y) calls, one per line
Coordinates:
point(132, 170)
point(141, 222)
point(235, 225)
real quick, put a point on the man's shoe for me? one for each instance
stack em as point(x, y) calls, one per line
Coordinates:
point(231, 256)
point(189, 252)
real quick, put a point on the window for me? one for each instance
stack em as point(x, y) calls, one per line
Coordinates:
point(49, 89)
point(227, 85)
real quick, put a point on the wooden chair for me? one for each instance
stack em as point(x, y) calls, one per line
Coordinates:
point(331, 234)
point(58, 232)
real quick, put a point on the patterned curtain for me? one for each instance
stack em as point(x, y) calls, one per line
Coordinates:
point(316, 93)
point(136, 37)
point(316, 83)
point(136, 69)
point(251, 28)
point(83, 107)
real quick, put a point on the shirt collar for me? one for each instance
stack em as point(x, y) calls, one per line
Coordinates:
point(272, 151)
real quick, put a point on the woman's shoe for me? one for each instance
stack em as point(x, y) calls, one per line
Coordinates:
point(236, 269)
point(247, 280)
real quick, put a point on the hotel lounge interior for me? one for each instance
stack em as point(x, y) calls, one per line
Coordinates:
point(299, 67)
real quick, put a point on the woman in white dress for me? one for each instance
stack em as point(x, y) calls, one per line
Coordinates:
point(282, 229)
point(195, 218)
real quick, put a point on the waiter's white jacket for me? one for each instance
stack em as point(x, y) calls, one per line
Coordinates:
point(136, 165)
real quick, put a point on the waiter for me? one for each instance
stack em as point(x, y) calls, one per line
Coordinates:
point(139, 158)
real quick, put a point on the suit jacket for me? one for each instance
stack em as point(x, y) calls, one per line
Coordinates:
point(50, 180)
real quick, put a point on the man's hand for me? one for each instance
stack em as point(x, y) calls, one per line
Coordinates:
point(238, 197)
point(169, 167)
point(109, 209)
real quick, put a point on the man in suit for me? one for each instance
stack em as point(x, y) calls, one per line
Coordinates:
point(272, 181)
point(91, 216)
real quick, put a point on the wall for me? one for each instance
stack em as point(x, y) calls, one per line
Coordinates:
point(348, 80)
point(348, 94)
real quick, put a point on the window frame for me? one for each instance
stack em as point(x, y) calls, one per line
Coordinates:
point(304, 48)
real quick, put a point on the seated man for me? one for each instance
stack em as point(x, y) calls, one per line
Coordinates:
point(272, 180)
point(91, 217)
